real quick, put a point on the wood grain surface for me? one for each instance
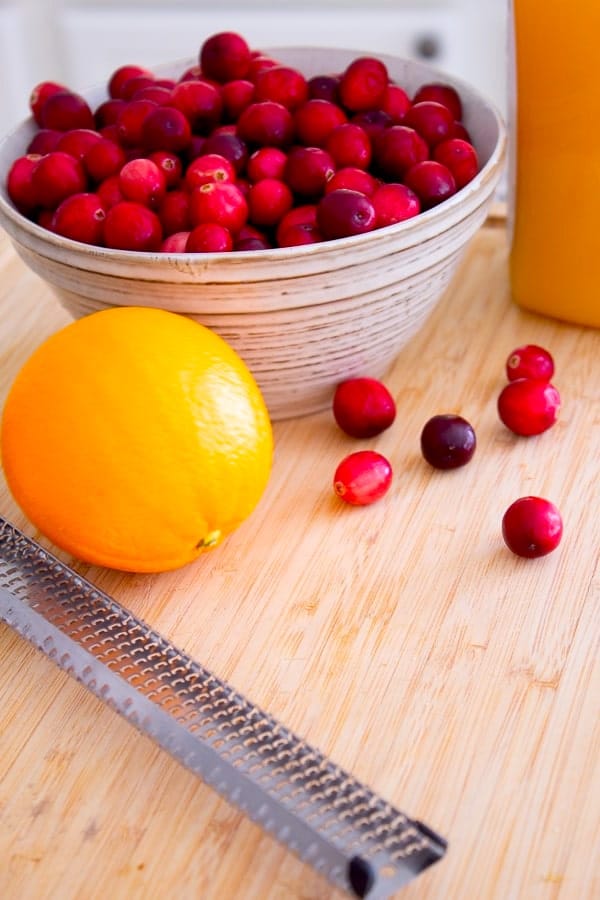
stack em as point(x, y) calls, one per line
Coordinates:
point(402, 639)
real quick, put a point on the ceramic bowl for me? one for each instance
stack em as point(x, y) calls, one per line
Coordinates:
point(303, 318)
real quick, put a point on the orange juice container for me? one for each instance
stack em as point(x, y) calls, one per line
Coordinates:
point(554, 161)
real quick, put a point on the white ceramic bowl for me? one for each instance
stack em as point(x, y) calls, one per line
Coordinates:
point(303, 318)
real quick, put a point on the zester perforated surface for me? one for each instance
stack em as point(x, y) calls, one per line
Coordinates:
point(318, 810)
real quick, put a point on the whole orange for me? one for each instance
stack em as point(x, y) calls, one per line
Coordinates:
point(135, 439)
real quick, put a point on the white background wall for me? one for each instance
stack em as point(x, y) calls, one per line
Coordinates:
point(79, 42)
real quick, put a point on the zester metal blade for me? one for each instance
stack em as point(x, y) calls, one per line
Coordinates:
point(335, 823)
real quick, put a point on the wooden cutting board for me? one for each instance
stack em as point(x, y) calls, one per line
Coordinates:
point(402, 639)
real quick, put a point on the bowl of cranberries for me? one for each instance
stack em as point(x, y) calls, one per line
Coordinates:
point(308, 204)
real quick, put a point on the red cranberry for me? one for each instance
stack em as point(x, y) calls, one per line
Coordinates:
point(134, 85)
point(223, 204)
point(308, 170)
point(299, 215)
point(363, 84)
point(528, 406)
point(268, 201)
point(209, 238)
point(315, 120)
point(109, 192)
point(530, 361)
point(104, 158)
point(195, 147)
point(343, 213)
point(121, 76)
point(45, 218)
point(267, 162)
point(353, 180)
point(142, 180)
point(170, 165)
point(44, 141)
point(158, 95)
point(374, 121)
point(108, 113)
point(194, 73)
point(396, 103)
point(207, 168)
point(532, 527)
point(363, 407)
point(431, 181)
point(246, 245)
point(433, 121)
point(174, 212)
point(298, 235)
point(460, 157)
point(231, 146)
point(19, 182)
point(397, 149)
point(55, 177)
point(250, 231)
point(324, 87)
point(40, 94)
point(175, 243)
point(448, 441)
point(78, 141)
point(199, 102)
point(130, 121)
point(81, 218)
point(394, 203)
point(459, 131)
point(166, 128)
point(236, 96)
point(168, 83)
point(258, 63)
point(266, 124)
point(283, 85)
point(349, 145)
point(244, 185)
point(225, 56)
point(110, 133)
point(64, 111)
point(440, 93)
point(362, 477)
point(131, 226)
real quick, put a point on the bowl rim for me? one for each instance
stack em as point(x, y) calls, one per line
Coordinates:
point(277, 254)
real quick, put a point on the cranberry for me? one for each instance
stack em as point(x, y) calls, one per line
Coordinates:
point(362, 477)
point(175, 243)
point(81, 218)
point(159, 95)
point(305, 214)
point(108, 113)
point(195, 147)
point(433, 121)
point(308, 170)
point(298, 235)
point(374, 121)
point(396, 103)
point(170, 165)
point(530, 361)
point(200, 103)
point(207, 168)
point(440, 93)
point(194, 73)
point(40, 94)
point(121, 76)
point(142, 180)
point(349, 145)
point(44, 219)
point(64, 111)
point(532, 527)
point(55, 177)
point(343, 213)
point(174, 212)
point(166, 128)
point(19, 182)
point(130, 121)
point(431, 181)
point(104, 158)
point(283, 85)
point(324, 87)
point(353, 180)
point(78, 141)
point(363, 407)
point(209, 238)
point(528, 406)
point(258, 63)
point(266, 124)
point(131, 226)
point(459, 131)
point(231, 146)
point(460, 157)
point(397, 149)
point(225, 56)
point(315, 120)
point(44, 141)
point(448, 441)
point(250, 244)
point(268, 201)
point(109, 192)
point(134, 85)
point(363, 84)
point(267, 162)
point(235, 97)
point(394, 203)
point(222, 204)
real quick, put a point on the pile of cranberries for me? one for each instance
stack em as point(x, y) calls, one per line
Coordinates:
point(528, 405)
point(239, 153)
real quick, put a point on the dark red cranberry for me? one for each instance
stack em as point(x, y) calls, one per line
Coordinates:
point(441, 93)
point(324, 87)
point(109, 192)
point(246, 245)
point(55, 177)
point(305, 214)
point(225, 56)
point(532, 527)
point(363, 407)
point(174, 212)
point(81, 218)
point(343, 213)
point(132, 226)
point(19, 182)
point(159, 95)
point(78, 141)
point(200, 103)
point(315, 120)
point(229, 146)
point(122, 75)
point(108, 112)
point(236, 96)
point(374, 121)
point(66, 110)
point(104, 158)
point(433, 121)
point(448, 441)
point(397, 149)
point(40, 94)
point(299, 235)
point(131, 87)
point(44, 141)
point(307, 171)
point(166, 128)
point(266, 124)
point(363, 84)
point(431, 181)
point(130, 121)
